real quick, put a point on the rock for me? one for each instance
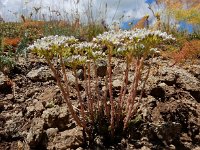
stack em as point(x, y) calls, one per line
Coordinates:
point(195, 70)
point(172, 147)
point(57, 117)
point(20, 145)
point(179, 77)
point(71, 78)
point(31, 92)
point(12, 123)
point(39, 106)
point(174, 78)
point(9, 97)
point(80, 74)
point(36, 136)
point(69, 139)
point(80, 148)
point(35, 110)
point(162, 84)
point(196, 148)
point(101, 68)
point(197, 138)
point(30, 111)
point(145, 148)
point(20, 100)
point(117, 83)
point(42, 74)
point(51, 133)
point(48, 94)
point(98, 141)
point(168, 131)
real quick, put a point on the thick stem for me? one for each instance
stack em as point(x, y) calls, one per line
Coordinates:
point(66, 96)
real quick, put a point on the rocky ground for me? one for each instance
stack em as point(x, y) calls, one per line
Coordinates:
point(37, 117)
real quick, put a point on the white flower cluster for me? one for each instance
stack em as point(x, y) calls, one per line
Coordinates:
point(86, 45)
point(76, 59)
point(117, 38)
point(91, 49)
point(163, 35)
point(111, 37)
point(97, 54)
point(122, 49)
point(46, 43)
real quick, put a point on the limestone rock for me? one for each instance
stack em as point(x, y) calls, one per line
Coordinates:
point(56, 117)
point(42, 74)
point(36, 135)
point(69, 139)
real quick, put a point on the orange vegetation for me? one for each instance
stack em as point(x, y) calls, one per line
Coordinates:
point(189, 50)
point(11, 41)
point(36, 24)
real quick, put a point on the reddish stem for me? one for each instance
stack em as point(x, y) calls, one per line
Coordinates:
point(79, 96)
point(89, 99)
point(96, 86)
point(110, 89)
point(66, 96)
point(105, 97)
point(132, 96)
point(122, 92)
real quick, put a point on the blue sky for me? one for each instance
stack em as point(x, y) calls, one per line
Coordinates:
point(185, 27)
point(150, 1)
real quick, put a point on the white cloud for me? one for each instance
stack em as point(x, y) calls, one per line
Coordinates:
point(115, 8)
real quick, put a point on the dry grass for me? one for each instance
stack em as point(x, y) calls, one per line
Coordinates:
point(189, 50)
point(32, 24)
point(63, 24)
point(142, 23)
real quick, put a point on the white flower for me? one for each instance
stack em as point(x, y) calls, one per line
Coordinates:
point(98, 54)
point(86, 45)
point(46, 43)
point(76, 59)
point(118, 38)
